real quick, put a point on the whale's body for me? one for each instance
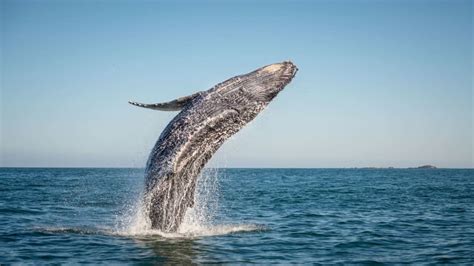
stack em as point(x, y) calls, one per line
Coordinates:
point(206, 120)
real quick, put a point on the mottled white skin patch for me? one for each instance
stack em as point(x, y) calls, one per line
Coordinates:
point(188, 142)
point(272, 68)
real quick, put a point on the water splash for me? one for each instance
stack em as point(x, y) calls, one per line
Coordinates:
point(201, 220)
point(206, 203)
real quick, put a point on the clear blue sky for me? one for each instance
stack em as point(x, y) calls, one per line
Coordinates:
point(381, 83)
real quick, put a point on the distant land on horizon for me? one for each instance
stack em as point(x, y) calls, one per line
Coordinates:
point(426, 166)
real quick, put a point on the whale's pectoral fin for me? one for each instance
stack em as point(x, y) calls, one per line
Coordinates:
point(174, 105)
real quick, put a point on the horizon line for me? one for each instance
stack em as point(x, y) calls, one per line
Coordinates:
point(352, 167)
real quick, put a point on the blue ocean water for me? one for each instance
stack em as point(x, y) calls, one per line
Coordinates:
point(249, 216)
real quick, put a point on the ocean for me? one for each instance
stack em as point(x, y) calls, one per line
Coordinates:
point(263, 216)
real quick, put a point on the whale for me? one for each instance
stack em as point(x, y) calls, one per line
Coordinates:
point(206, 119)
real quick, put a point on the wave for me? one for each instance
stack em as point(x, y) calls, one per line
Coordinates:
point(184, 232)
point(196, 231)
point(74, 230)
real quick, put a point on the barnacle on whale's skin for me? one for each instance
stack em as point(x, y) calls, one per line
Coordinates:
point(206, 120)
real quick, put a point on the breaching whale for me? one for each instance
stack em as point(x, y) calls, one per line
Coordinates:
point(206, 120)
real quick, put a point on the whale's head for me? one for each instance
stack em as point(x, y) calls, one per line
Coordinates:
point(257, 87)
point(261, 85)
point(271, 79)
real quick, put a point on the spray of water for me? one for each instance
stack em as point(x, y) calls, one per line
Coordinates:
point(206, 203)
point(201, 220)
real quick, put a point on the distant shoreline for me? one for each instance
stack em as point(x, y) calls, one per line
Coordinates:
point(427, 166)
